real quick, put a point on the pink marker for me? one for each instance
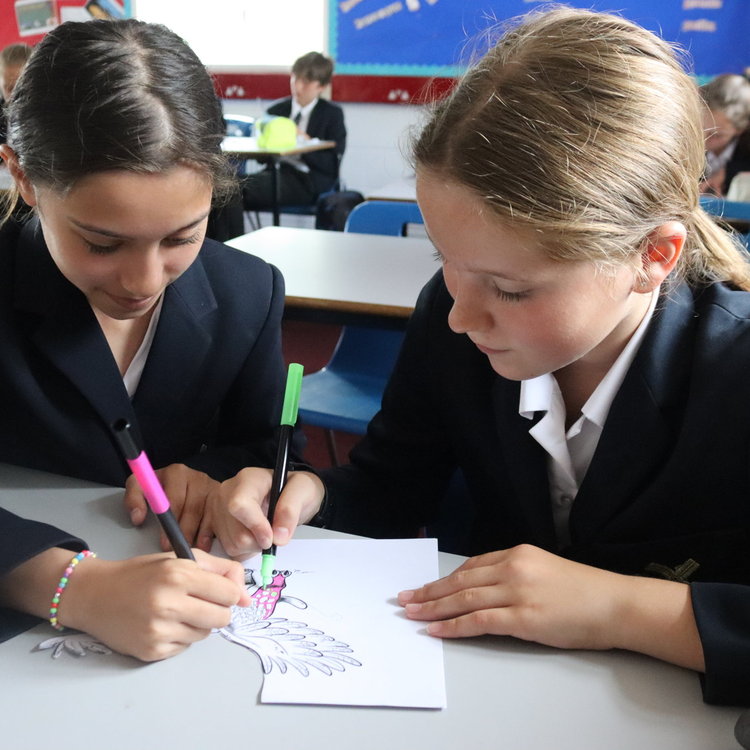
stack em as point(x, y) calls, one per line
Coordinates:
point(152, 489)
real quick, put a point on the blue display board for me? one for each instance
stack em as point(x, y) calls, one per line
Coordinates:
point(438, 37)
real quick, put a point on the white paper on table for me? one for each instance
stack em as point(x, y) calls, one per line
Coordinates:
point(336, 635)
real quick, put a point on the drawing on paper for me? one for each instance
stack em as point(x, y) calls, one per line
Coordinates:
point(282, 643)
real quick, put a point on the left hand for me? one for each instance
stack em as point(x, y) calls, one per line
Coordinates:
point(187, 490)
point(524, 592)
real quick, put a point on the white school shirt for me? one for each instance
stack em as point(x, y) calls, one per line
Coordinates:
point(304, 120)
point(569, 454)
point(132, 376)
point(715, 162)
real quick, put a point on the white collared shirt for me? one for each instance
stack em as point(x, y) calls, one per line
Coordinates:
point(304, 113)
point(570, 453)
point(715, 162)
point(132, 376)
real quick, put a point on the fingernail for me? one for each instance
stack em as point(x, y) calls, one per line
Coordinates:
point(204, 542)
point(413, 609)
point(434, 628)
point(282, 534)
point(136, 516)
point(405, 596)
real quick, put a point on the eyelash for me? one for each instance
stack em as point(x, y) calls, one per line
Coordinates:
point(107, 249)
point(500, 293)
point(510, 296)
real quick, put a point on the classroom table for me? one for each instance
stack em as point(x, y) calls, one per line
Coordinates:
point(247, 148)
point(502, 693)
point(344, 277)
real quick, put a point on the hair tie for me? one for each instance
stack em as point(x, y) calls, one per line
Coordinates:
point(62, 584)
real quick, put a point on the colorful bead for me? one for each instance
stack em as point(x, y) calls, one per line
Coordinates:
point(62, 584)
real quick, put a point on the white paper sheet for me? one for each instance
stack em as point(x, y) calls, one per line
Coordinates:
point(331, 631)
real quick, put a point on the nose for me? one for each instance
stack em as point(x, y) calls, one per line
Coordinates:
point(141, 272)
point(469, 312)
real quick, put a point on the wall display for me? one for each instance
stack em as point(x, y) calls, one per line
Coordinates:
point(439, 37)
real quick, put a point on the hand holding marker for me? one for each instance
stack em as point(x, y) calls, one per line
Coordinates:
point(288, 420)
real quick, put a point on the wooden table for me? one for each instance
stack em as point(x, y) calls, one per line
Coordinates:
point(344, 277)
point(502, 693)
point(247, 148)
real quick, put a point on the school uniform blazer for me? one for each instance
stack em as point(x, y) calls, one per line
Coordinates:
point(211, 390)
point(668, 480)
point(327, 123)
point(20, 540)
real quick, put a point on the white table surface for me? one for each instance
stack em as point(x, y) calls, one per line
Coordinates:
point(502, 693)
point(351, 272)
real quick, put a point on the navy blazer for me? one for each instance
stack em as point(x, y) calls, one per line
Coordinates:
point(20, 540)
point(211, 390)
point(668, 480)
point(326, 123)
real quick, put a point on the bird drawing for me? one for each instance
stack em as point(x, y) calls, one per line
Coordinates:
point(282, 643)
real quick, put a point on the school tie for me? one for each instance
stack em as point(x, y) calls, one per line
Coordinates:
point(297, 117)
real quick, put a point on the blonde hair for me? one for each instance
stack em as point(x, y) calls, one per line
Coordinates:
point(583, 127)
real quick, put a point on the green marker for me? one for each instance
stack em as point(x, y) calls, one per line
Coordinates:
point(288, 420)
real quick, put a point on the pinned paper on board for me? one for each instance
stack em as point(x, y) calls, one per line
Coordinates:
point(328, 629)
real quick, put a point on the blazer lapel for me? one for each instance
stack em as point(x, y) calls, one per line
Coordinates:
point(526, 462)
point(67, 331)
point(637, 432)
point(181, 345)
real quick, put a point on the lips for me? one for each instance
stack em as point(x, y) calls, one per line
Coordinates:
point(489, 352)
point(132, 303)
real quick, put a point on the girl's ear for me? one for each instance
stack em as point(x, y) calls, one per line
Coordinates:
point(19, 176)
point(661, 252)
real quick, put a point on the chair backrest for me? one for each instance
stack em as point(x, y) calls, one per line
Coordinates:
point(735, 213)
point(368, 352)
point(726, 209)
point(383, 217)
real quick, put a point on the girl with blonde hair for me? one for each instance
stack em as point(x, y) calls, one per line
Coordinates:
point(581, 360)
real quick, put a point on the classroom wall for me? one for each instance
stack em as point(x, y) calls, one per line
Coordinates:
point(376, 140)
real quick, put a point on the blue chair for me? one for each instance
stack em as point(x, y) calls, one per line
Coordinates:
point(346, 393)
point(383, 217)
point(728, 211)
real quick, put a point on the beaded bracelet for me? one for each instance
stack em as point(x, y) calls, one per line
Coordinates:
point(63, 583)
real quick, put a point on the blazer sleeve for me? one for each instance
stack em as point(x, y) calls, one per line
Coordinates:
point(722, 613)
point(20, 540)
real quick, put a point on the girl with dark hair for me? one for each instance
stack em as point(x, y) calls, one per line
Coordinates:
point(113, 305)
point(581, 360)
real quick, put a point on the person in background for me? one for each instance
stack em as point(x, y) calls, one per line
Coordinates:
point(725, 122)
point(303, 179)
point(580, 360)
point(12, 61)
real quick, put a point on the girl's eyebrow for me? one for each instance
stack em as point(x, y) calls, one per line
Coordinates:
point(115, 235)
point(486, 271)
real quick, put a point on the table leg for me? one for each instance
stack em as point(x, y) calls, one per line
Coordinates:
point(276, 175)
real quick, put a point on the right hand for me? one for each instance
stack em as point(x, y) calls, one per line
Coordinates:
point(237, 510)
point(153, 606)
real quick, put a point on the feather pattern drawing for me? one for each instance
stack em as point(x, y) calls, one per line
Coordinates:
point(282, 643)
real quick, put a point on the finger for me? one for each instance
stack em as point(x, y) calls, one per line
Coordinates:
point(135, 502)
point(461, 579)
point(292, 500)
point(232, 571)
point(464, 602)
point(495, 621)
